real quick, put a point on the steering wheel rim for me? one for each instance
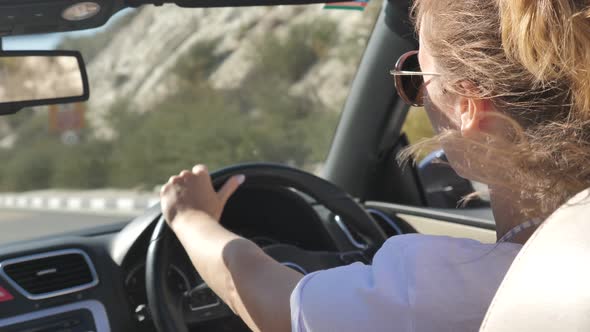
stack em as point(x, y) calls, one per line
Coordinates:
point(166, 308)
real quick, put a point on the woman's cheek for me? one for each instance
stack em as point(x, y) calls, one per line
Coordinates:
point(441, 118)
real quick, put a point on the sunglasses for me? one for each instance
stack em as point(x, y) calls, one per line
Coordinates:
point(409, 79)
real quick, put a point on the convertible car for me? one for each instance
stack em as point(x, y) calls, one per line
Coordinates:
point(295, 94)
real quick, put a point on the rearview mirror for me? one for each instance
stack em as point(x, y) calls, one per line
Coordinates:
point(35, 78)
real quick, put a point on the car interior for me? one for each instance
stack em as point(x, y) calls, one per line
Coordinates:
point(135, 276)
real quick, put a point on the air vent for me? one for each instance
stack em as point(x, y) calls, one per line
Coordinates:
point(50, 274)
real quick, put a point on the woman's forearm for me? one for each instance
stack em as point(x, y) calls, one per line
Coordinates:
point(256, 287)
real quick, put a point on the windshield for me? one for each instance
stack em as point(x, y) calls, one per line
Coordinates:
point(171, 87)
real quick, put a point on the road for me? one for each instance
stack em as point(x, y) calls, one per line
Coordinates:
point(17, 225)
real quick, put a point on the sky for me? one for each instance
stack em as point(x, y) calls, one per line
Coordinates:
point(48, 41)
point(32, 42)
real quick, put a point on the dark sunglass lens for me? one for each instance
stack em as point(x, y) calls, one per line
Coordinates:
point(412, 84)
point(411, 63)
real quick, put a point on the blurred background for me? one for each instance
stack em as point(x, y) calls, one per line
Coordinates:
point(171, 87)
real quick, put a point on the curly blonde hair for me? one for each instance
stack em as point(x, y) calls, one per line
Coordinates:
point(531, 59)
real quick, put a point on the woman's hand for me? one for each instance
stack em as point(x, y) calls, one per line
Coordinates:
point(255, 286)
point(192, 192)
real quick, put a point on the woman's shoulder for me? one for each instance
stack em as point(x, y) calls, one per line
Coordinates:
point(448, 252)
point(409, 273)
point(416, 251)
point(443, 244)
point(414, 255)
point(420, 240)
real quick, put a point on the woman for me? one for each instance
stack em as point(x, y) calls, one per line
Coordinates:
point(506, 84)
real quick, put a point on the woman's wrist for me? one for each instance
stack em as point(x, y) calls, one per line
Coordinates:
point(190, 217)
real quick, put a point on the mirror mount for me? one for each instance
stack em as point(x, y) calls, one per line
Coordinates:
point(67, 83)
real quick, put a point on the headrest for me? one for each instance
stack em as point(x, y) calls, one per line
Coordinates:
point(547, 287)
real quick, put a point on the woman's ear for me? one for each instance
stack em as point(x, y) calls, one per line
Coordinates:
point(472, 114)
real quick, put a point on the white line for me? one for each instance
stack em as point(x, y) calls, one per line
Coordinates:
point(125, 204)
point(74, 203)
point(54, 203)
point(21, 202)
point(37, 202)
point(98, 204)
point(9, 201)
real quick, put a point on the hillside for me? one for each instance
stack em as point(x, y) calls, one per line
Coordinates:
point(172, 86)
point(137, 65)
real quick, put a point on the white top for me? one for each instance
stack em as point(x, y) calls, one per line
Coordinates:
point(416, 283)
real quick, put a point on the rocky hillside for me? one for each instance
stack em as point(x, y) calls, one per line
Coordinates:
point(134, 58)
point(170, 86)
point(137, 63)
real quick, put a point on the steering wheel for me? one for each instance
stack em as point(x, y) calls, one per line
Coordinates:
point(167, 308)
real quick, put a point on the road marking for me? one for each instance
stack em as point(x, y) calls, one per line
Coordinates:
point(9, 201)
point(54, 203)
point(98, 204)
point(125, 203)
point(74, 203)
point(21, 202)
point(37, 202)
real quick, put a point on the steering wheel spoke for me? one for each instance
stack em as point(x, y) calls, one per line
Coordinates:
point(202, 304)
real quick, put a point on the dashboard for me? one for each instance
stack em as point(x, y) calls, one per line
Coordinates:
point(94, 280)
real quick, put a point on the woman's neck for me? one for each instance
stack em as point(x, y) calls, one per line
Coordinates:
point(508, 207)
